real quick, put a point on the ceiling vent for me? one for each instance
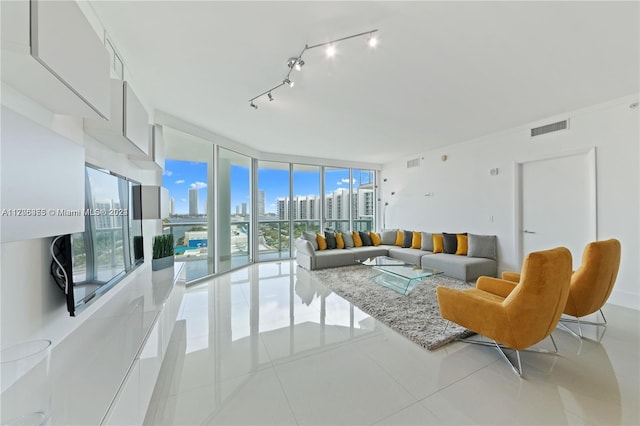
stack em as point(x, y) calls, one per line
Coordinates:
point(413, 163)
point(548, 128)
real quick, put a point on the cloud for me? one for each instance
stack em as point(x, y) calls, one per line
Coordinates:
point(179, 181)
point(199, 185)
point(345, 180)
point(167, 173)
point(184, 200)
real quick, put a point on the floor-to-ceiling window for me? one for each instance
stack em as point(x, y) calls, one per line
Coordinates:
point(234, 210)
point(363, 206)
point(274, 234)
point(336, 198)
point(229, 209)
point(304, 207)
point(188, 166)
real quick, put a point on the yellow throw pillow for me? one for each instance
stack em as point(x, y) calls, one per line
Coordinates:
point(438, 243)
point(375, 238)
point(399, 239)
point(339, 241)
point(357, 241)
point(462, 245)
point(322, 242)
point(416, 242)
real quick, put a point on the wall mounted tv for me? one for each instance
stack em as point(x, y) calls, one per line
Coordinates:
point(87, 264)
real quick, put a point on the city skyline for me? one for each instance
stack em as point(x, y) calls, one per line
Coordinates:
point(181, 176)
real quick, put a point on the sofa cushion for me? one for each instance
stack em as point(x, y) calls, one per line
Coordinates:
point(408, 255)
point(376, 240)
point(427, 241)
point(438, 245)
point(366, 238)
point(322, 242)
point(333, 258)
point(357, 241)
point(416, 241)
point(460, 267)
point(339, 240)
point(399, 238)
point(450, 242)
point(348, 239)
point(366, 252)
point(311, 237)
point(463, 246)
point(482, 246)
point(389, 237)
point(407, 239)
point(331, 240)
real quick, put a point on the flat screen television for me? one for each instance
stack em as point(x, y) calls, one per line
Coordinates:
point(87, 264)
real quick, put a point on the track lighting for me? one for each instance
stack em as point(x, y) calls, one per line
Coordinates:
point(297, 62)
point(373, 40)
point(331, 51)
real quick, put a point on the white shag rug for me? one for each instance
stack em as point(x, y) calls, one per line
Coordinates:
point(416, 315)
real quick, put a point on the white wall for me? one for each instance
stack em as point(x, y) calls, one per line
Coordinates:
point(465, 195)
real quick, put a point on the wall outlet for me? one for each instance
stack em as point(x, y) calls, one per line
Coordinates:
point(490, 218)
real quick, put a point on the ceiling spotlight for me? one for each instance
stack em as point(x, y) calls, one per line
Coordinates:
point(295, 62)
point(270, 97)
point(373, 40)
point(254, 106)
point(331, 51)
point(289, 82)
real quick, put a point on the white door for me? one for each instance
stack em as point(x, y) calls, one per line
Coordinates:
point(558, 204)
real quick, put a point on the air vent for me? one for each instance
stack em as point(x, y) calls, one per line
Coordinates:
point(413, 163)
point(553, 127)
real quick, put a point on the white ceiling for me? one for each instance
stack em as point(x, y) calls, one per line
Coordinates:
point(444, 72)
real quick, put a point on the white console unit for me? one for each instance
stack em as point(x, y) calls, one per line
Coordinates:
point(128, 130)
point(51, 53)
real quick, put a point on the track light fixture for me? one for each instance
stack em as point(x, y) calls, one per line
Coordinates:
point(297, 62)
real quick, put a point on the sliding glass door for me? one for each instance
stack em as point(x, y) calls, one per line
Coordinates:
point(304, 207)
point(274, 234)
point(234, 210)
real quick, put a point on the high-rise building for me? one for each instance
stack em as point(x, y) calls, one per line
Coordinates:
point(172, 206)
point(193, 202)
point(244, 209)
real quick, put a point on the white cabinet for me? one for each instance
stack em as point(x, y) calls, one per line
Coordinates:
point(42, 175)
point(127, 131)
point(51, 53)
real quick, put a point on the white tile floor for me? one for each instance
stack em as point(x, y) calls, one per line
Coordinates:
point(260, 346)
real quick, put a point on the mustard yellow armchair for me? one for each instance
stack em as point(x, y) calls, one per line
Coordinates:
point(591, 283)
point(515, 315)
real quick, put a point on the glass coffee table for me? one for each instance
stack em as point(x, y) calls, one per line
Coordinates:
point(397, 275)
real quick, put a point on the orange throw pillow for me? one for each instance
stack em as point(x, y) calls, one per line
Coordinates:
point(438, 243)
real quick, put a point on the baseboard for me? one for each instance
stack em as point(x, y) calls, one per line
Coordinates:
point(625, 299)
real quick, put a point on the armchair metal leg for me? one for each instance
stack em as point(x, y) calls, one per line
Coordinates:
point(501, 348)
point(579, 322)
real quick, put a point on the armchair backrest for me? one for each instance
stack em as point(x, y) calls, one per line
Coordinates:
point(535, 305)
point(592, 282)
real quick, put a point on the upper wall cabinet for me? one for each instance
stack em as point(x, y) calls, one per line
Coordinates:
point(51, 53)
point(128, 130)
point(42, 180)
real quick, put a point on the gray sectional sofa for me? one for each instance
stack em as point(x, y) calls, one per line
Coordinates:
point(480, 259)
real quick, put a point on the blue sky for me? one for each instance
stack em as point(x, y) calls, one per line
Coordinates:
point(180, 176)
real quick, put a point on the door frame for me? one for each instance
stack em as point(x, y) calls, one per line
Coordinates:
point(593, 195)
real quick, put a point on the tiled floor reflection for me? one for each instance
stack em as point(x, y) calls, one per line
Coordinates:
point(267, 345)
